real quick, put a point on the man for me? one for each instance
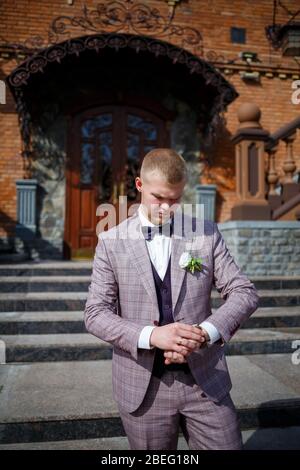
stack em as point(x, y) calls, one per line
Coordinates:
point(168, 372)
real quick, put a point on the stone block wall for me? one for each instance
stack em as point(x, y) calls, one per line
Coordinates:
point(264, 248)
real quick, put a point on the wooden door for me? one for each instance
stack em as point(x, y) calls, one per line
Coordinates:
point(107, 145)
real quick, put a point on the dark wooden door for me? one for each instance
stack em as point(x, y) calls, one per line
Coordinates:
point(107, 145)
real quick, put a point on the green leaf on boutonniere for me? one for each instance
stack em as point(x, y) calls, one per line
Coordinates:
point(195, 264)
point(187, 261)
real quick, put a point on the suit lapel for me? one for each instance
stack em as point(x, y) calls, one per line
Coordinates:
point(140, 259)
point(177, 273)
point(180, 243)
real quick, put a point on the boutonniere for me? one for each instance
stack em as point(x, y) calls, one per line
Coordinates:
point(188, 262)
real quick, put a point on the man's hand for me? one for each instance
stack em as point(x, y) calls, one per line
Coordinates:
point(178, 338)
point(172, 357)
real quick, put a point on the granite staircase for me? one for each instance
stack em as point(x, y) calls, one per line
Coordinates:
point(55, 384)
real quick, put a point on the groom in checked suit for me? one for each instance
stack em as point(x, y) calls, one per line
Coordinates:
point(169, 368)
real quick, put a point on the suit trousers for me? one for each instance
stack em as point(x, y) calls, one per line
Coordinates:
point(175, 401)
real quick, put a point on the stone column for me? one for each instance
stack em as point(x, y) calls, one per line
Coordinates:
point(26, 209)
point(206, 195)
point(250, 140)
point(289, 187)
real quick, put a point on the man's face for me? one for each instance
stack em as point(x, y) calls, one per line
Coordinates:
point(157, 196)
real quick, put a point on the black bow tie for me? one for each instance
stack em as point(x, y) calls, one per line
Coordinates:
point(163, 229)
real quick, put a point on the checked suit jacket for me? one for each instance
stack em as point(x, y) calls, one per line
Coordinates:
point(122, 301)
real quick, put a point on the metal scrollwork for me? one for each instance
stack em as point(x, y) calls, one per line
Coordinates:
point(129, 17)
point(76, 46)
point(114, 17)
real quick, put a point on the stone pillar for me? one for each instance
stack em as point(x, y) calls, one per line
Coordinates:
point(289, 187)
point(274, 199)
point(250, 140)
point(26, 209)
point(206, 195)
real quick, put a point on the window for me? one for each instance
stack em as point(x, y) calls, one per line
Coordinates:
point(238, 35)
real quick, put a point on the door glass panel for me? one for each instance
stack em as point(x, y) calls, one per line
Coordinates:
point(88, 127)
point(87, 163)
point(97, 133)
point(141, 137)
point(149, 129)
point(89, 130)
point(103, 120)
point(147, 148)
point(105, 158)
point(133, 146)
point(131, 167)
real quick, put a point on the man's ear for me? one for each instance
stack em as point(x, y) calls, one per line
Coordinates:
point(138, 183)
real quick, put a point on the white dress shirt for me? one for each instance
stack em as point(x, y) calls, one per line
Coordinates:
point(159, 248)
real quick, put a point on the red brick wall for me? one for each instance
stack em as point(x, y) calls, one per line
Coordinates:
point(24, 18)
point(273, 97)
point(10, 170)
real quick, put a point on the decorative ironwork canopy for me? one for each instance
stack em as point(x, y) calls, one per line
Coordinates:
point(20, 78)
point(115, 25)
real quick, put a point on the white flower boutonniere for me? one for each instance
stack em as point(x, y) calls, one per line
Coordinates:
point(192, 264)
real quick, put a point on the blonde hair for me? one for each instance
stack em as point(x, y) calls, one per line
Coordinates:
point(166, 162)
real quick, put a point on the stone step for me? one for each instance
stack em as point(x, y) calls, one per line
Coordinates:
point(56, 268)
point(77, 278)
point(54, 301)
point(277, 298)
point(13, 323)
point(44, 283)
point(286, 438)
point(274, 282)
point(273, 317)
point(58, 401)
point(7, 257)
point(55, 347)
point(263, 341)
point(85, 347)
point(52, 322)
point(42, 301)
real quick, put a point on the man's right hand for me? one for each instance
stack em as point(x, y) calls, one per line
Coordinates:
point(177, 337)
